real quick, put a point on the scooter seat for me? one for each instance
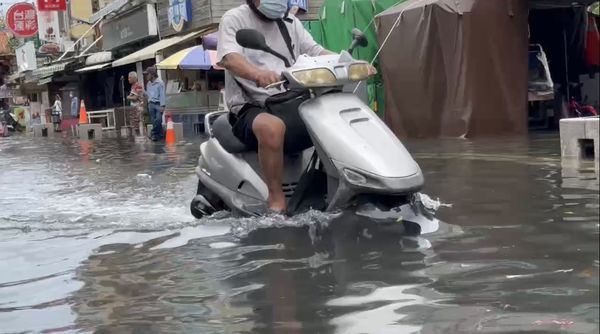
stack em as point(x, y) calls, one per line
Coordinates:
point(223, 132)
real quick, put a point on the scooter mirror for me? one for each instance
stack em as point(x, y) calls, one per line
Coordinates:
point(360, 38)
point(251, 39)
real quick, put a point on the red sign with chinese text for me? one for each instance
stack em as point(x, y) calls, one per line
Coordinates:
point(52, 5)
point(21, 19)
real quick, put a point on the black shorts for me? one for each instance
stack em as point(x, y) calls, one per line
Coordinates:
point(296, 136)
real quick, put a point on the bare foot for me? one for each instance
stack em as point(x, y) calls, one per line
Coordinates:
point(277, 202)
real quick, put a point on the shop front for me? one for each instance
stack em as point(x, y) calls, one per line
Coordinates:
point(193, 87)
point(104, 84)
point(181, 16)
point(193, 82)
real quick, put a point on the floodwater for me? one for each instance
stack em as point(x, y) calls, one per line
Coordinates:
point(95, 237)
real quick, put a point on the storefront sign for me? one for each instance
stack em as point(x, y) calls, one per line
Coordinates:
point(180, 11)
point(50, 48)
point(48, 26)
point(26, 60)
point(21, 19)
point(111, 7)
point(51, 5)
point(134, 26)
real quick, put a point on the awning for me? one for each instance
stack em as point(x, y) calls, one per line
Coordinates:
point(38, 80)
point(45, 81)
point(150, 51)
point(194, 58)
point(49, 70)
point(15, 76)
point(548, 4)
point(93, 68)
point(98, 58)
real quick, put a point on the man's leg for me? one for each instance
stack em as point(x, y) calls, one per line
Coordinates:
point(270, 131)
point(156, 122)
point(151, 114)
point(160, 133)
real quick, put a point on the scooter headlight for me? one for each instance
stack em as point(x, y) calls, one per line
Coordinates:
point(358, 72)
point(315, 77)
point(354, 177)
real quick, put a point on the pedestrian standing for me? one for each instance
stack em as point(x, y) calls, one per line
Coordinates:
point(155, 90)
point(136, 99)
point(57, 113)
point(74, 105)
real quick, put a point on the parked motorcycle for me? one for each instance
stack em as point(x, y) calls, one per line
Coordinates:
point(9, 123)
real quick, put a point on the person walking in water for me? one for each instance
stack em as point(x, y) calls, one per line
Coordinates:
point(74, 105)
point(57, 113)
point(155, 90)
point(136, 99)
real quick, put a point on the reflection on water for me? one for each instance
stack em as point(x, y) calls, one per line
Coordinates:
point(96, 237)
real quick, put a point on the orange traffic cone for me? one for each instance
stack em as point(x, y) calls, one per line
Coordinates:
point(83, 119)
point(170, 136)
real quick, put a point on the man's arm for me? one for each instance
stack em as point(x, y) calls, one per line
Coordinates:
point(240, 67)
point(161, 95)
point(230, 54)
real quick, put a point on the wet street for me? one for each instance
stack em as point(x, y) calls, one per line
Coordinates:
point(96, 237)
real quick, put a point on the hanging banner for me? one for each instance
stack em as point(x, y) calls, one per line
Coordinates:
point(26, 60)
point(52, 5)
point(298, 6)
point(180, 11)
point(48, 26)
point(21, 19)
point(5, 37)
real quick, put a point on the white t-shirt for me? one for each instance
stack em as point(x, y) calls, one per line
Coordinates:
point(58, 106)
point(243, 17)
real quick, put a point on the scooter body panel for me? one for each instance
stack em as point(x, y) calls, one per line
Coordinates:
point(236, 177)
point(357, 141)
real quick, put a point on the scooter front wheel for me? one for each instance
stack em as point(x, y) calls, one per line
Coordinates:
point(200, 207)
point(205, 203)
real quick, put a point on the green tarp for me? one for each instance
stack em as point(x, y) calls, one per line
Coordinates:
point(333, 31)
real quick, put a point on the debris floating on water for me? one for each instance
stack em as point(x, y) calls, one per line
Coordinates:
point(562, 323)
point(430, 203)
point(219, 245)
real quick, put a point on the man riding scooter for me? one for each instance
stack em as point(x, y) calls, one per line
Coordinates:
point(251, 79)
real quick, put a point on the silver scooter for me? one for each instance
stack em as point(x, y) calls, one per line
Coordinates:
point(356, 161)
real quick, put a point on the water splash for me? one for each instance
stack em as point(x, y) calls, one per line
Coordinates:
point(241, 227)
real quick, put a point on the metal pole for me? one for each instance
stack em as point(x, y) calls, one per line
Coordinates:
point(566, 66)
point(79, 40)
point(124, 99)
point(90, 46)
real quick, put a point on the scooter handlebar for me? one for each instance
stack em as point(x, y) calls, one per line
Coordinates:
point(275, 84)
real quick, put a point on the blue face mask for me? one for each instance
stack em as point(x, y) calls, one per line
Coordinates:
point(273, 9)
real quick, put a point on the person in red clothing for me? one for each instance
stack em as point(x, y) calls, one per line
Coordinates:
point(136, 98)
